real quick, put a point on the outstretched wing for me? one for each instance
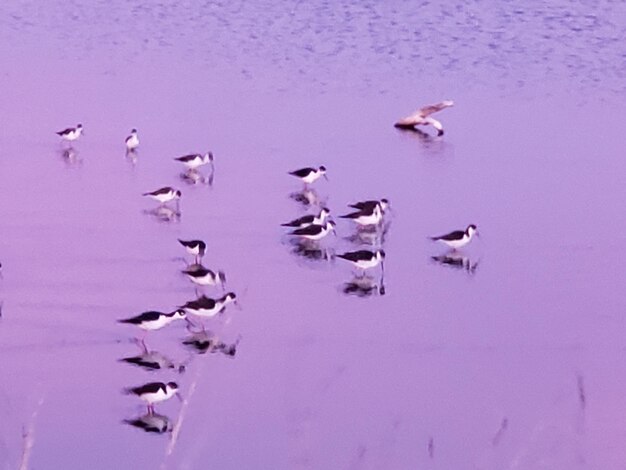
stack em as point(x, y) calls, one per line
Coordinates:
point(433, 108)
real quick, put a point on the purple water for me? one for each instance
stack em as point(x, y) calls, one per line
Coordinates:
point(515, 363)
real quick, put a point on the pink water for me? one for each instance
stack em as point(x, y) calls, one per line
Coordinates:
point(517, 364)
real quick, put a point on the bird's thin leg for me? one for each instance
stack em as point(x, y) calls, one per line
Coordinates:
point(142, 343)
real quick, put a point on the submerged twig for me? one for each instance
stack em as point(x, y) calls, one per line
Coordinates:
point(498, 436)
point(431, 447)
point(29, 437)
point(179, 422)
point(582, 397)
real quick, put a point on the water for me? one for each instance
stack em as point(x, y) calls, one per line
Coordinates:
point(515, 363)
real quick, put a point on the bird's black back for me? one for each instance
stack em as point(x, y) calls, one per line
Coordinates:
point(456, 235)
point(202, 302)
point(142, 317)
point(360, 255)
point(307, 219)
point(302, 172)
point(310, 230)
point(152, 387)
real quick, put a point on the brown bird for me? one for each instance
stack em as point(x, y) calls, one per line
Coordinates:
point(421, 117)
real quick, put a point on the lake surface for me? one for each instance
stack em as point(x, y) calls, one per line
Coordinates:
point(511, 358)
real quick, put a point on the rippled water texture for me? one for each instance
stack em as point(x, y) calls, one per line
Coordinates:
point(509, 355)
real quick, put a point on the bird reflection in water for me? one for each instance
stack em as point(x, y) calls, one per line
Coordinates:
point(164, 214)
point(153, 360)
point(457, 260)
point(311, 250)
point(307, 197)
point(151, 422)
point(131, 157)
point(370, 235)
point(205, 341)
point(193, 177)
point(436, 145)
point(364, 286)
point(70, 157)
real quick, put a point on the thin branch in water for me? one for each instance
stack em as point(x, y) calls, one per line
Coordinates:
point(29, 436)
point(431, 447)
point(503, 425)
point(179, 422)
point(582, 397)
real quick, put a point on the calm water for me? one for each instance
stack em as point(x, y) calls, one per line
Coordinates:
point(517, 362)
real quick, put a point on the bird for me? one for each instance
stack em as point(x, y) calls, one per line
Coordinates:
point(310, 219)
point(154, 392)
point(165, 194)
point(196, 248)
point(370, 215)
point(309, 175)
point(205, 277)
point(364, 259)
point(132, 141)
point(153, 320)
point(383, 204)
point(421, 117)
point(195, 160)
point(315, 231)
point(458, 238)
point(71, 133)
point(208, 307)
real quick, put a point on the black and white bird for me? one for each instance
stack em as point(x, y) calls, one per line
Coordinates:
point(71, 133)
point(383, 204)
point(154, 392)
point(458, 238)
point(310, 219)
point(195, 160)
point(153, 320)
point(205, 277)
point(421, 117)
point(315, 231)
point(364, 259)
point(208, 307)
point(132, 141)
point(309, 175)
point(165, 194)
point(370, 215)
point(196, 248)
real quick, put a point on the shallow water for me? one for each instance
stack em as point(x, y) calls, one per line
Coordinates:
point(516, 362)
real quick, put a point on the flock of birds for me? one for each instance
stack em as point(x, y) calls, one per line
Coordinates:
point(201, 340)
point(305, 232)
